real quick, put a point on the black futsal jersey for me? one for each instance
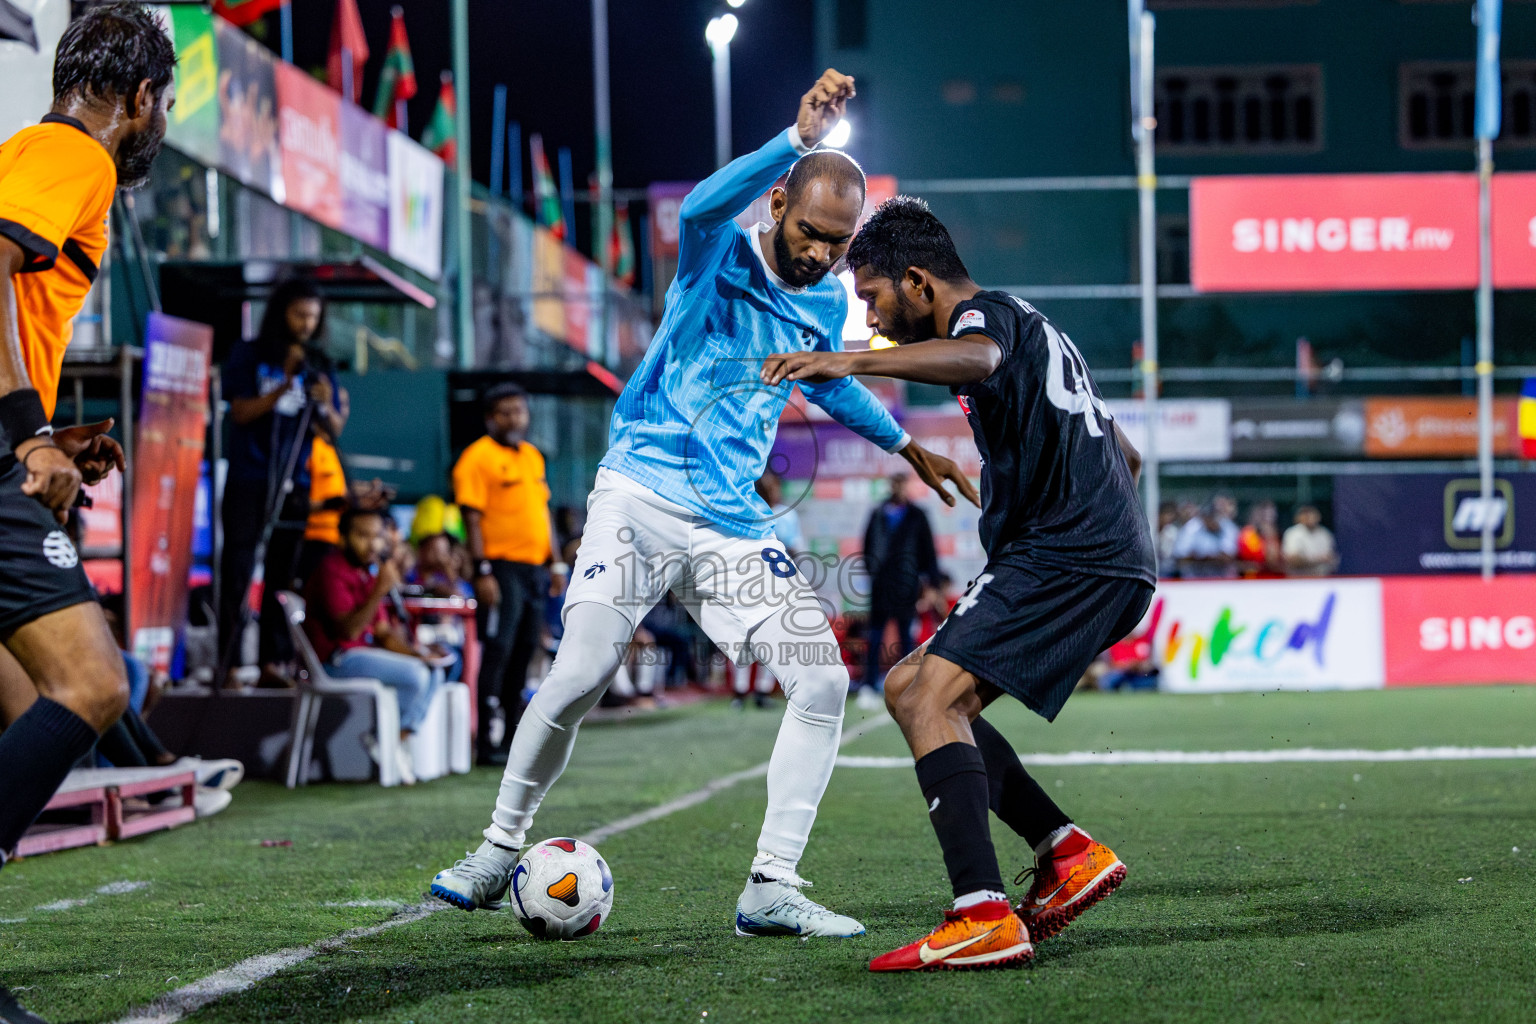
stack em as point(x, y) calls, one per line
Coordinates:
point(1055, 487)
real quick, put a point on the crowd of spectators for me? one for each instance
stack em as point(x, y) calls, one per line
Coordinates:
point(1205, 542)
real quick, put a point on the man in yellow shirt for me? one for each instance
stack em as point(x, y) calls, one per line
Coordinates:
point(61, 677)
point(499, 483)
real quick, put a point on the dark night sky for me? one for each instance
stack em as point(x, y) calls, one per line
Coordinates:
point(663, 107)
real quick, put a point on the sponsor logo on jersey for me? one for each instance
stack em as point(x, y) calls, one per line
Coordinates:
point(971, 319)
point(59, 551)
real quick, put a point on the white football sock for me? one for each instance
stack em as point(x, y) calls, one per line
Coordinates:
point(970, 899)
point(1049, 842)
point(798, 773)
point(595, 638)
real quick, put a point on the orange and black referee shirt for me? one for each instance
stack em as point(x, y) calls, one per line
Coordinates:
point(508, 488)
point(56, 188)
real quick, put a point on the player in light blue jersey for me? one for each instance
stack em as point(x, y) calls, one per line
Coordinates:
point(674, 507)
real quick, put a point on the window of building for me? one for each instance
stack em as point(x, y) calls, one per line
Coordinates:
point(1248, 109)
point(1437, 101)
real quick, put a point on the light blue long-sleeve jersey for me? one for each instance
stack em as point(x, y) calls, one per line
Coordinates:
point(695, 423)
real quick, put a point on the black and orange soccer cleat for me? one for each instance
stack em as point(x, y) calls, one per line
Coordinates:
point(1074, 875)
point(986, 935)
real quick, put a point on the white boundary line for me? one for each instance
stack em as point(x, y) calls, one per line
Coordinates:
point(174, 1005)
point(1299, 755)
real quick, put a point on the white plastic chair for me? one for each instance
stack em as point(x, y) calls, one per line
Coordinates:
point(306, 710)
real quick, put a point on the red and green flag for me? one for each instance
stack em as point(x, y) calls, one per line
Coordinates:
point(621, 249)
point(245, 12)
point(441, 135)
point(546, 197)
point(347, 39)
point(397, 79)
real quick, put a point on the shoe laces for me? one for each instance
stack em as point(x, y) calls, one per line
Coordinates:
point(480, 868)
point(798, 901)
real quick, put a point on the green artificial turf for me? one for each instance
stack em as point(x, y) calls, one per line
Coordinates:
point(1274, 892)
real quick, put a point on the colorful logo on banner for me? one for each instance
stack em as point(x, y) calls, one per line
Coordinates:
point(1260, 635)
point(415, 206)
point(167, 466)
point(1438, 427)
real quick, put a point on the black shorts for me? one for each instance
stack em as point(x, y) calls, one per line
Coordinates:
point(39, 568)
point(1032, 630)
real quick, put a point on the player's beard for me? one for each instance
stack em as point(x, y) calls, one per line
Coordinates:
point(907, 325)
point(136, 154)
point(796, 273)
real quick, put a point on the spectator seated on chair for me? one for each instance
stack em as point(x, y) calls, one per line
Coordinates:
point(351, 625)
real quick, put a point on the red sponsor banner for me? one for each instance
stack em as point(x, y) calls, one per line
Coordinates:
point(1450, 629)
point(167, 464)
point(1339, 232)
point(309, 135)
point(1514, 230)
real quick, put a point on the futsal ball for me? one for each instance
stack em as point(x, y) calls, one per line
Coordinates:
point(562, 889)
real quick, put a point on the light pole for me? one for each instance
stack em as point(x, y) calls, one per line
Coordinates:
point(720, 31)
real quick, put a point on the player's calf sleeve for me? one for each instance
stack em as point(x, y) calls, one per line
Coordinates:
point(954, 782)
point(1015, 797)
point(798, 773)
point(593, 647)
point(36, 753)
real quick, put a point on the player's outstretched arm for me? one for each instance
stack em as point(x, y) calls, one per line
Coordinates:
point(719, 198)
point(968, 359)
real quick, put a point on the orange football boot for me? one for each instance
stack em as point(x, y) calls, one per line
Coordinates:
point(1074, 875)
point(986, 935)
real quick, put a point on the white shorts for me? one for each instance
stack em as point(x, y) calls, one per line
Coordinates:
point(638, 545)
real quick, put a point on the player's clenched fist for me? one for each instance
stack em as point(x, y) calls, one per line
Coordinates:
point(822, 107)
point(52, 476)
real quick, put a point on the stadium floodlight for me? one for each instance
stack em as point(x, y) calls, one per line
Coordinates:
point(720, 31)
point(838, 137)
point(735, 3)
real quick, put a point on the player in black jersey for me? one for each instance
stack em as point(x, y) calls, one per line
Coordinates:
point(1070, 571)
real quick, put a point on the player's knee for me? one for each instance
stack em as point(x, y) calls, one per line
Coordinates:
point(897, 680)
point(819, 689)
point(96, 690)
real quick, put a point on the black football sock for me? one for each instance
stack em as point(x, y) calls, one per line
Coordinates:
point(1015, 797)
point(36, 752)
point(954, 781)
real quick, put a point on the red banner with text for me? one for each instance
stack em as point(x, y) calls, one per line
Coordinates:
point(1453, 629)
point(1335, 232)
point(167, 463)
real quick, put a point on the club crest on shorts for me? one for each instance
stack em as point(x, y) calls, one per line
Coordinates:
point(59, 551)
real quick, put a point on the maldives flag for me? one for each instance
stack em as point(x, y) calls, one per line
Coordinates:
point(621, 248)
point(243, 12)
point(441, 135)
point(546, 198)
point(347, 34)
point(397, 80)
point(1528, 419)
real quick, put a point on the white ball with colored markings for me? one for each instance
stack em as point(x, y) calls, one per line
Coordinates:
point(562, 889)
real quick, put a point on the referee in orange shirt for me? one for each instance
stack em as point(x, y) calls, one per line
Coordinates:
point(61, 676)
point(499, 483)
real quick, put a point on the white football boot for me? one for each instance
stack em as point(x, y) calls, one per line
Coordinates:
point(774, 906)
point(479, 881)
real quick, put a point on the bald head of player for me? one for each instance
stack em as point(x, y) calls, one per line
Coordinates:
point(815, 213)
point(113, 74)
point(907, 271)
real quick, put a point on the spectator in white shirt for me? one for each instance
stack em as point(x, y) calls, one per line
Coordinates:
point(1207, 546)
point(1308, 547)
